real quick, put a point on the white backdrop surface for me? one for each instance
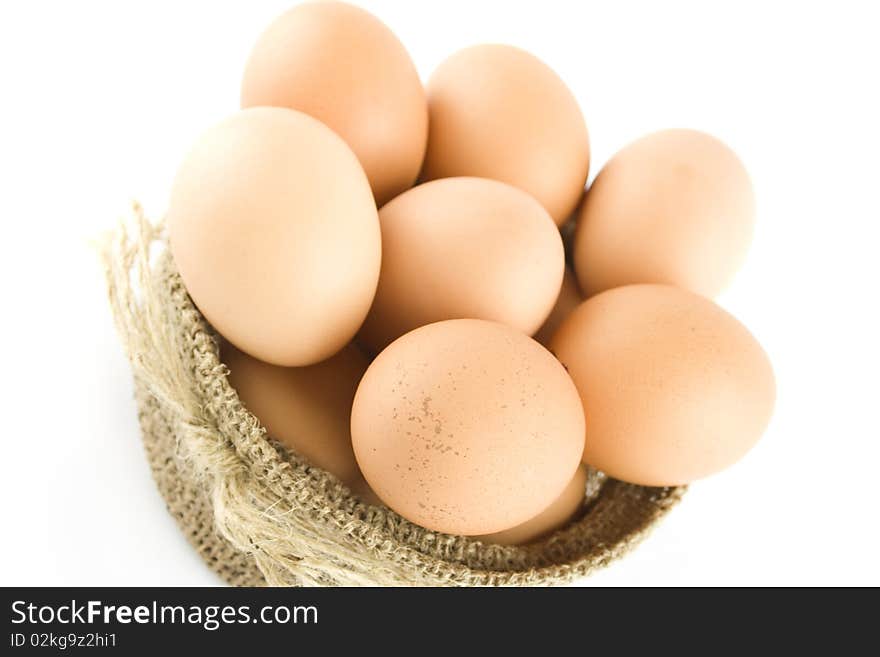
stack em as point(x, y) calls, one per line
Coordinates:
point(99, 100)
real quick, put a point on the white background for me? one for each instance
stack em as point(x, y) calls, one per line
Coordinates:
point(99, 100)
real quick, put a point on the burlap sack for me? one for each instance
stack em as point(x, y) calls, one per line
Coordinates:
point(259, 514)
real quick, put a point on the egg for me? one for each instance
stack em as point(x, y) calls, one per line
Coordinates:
point(467, 427)
point(499, 112)
point(554, 517)
point(273, 228)
point(673, 387)
point(343, 66)
point(675, 207)
point(464, 248)
point(306, 409)
point(569, 298)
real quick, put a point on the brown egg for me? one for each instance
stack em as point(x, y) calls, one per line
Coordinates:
point(674, 388)
point(307, 409)
point(674, 207)
point(569, 298)
point(464, 248)
point(343, 66)
point(550, 519)
point(275, 233)
point(498, 112)
point(467, 427)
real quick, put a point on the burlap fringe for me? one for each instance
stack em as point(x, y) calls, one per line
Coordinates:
point(259, 514)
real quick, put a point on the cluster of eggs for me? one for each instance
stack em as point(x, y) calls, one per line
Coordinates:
point(385, 264)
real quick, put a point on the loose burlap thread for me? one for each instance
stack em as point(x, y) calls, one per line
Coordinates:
point(259, 514)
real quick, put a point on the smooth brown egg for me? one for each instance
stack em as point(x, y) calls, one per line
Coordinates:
point(673, 387)
point(307, 409)
point(569, 298)
point(464, 248)
point(275, 233)
point(467, 427)
point(675, 207)
point(499, 112)
point(550, 519)
point(343, 66)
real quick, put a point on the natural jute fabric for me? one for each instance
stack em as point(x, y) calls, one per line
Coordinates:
point(259, 514)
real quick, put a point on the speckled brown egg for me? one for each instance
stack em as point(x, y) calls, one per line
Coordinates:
point(674, 207)
point(307, 409)
point(275, 233)
point(554, 517)
point(467, 427)
point(464, 248)
point(343, 66)
point(673, 387)
point(499, 112)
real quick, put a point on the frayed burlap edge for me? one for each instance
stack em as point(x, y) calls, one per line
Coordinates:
point(259, 514)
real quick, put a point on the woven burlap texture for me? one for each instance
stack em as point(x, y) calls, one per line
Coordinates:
point(259, 514)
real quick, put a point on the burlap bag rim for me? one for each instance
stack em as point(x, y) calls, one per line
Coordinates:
point(259, 514)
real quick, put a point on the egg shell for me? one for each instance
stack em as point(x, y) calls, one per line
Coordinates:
point(307, 409)
point(554, 517)
point(275, 233)
point(464, 248)
point(467, 427)
point(674, 388)
point(675, 207)
point(569, 298)
point(343, 66)
point(499, 112)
